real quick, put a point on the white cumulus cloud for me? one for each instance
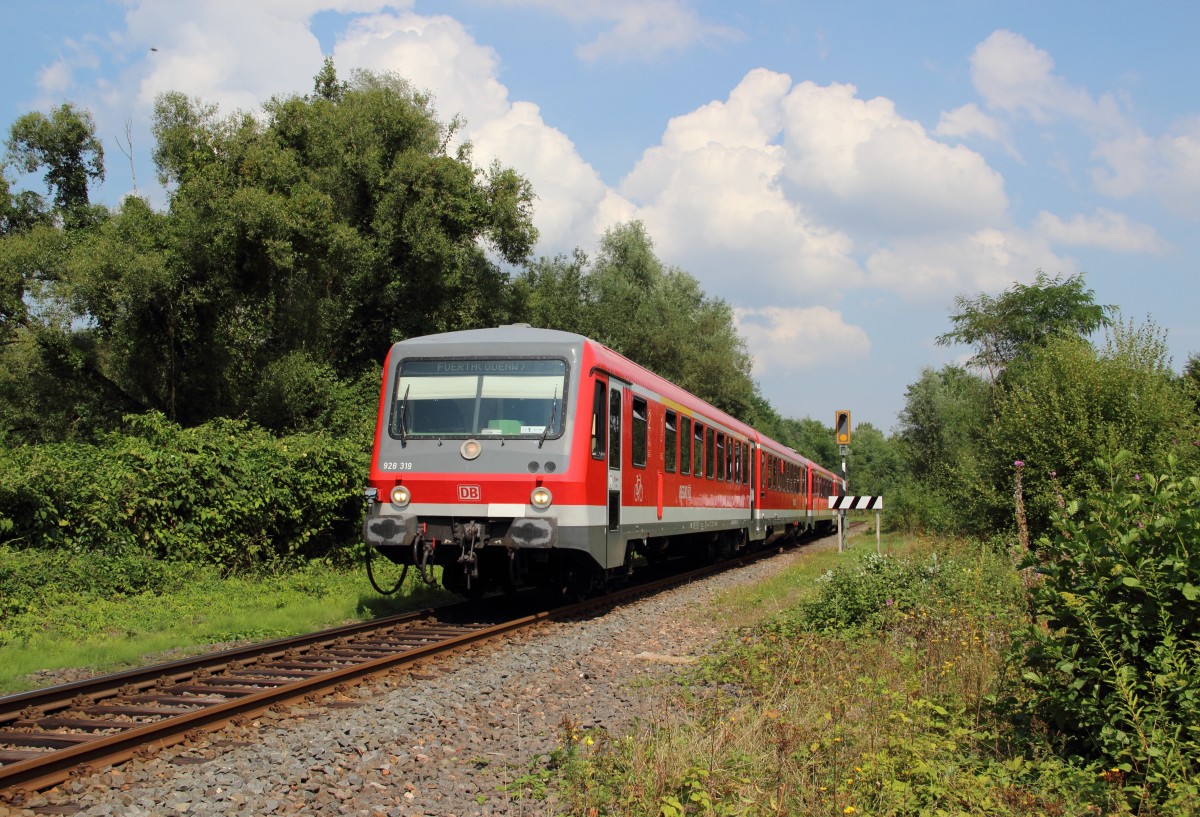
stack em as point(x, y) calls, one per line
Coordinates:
point(872, 167)
point(635, 30)
point(1015, 76)
point(790, 339)
point(1106, 230)
point(986, 260)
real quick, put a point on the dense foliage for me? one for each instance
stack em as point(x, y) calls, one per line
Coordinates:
point(296, 247)
point(1114, 662)
point(224, 493)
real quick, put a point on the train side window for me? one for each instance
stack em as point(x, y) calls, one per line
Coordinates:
point(739, 473)
point(698, 460)
point(669, 442)
point(747, 478)
point(599, 403)
point(729, 461)
point(685, 445)
point(720, 456)
point(614, 429)
point(640, 432)
point(710, 452)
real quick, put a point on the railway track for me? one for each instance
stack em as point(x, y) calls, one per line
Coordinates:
point(50, 735)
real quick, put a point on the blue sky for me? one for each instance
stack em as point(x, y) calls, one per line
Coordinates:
point(837, 172)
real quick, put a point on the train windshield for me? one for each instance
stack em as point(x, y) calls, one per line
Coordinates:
point(514, 397)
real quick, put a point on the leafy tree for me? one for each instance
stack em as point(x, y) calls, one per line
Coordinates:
point(810, 437)
point(1022, 318)
point(875, 466)
point(19, 211)
point(1191, 378)
point(1071, 402)
point(295, 249)
point(65, 144)
point(655, 315)
point(941, 424)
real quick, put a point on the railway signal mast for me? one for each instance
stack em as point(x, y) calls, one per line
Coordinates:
point(841, 431)
point(841, 426)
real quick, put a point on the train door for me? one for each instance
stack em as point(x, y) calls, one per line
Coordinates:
point(755, 512)
point(616, 403)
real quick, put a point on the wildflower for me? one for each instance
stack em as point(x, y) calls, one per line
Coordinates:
point(1137, 477)
point(849, 810)
point(1053, 473)
point(889, 602)
point(588, 741)
point(1018, 464)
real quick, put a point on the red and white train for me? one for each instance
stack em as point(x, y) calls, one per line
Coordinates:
point(519, 456)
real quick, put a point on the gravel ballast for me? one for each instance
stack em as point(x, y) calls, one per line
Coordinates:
point(447, 739)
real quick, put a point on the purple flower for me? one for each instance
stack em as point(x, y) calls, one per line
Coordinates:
point(1053, 473)
point(890, 602)
point(1019, 464)
point(1137, 477)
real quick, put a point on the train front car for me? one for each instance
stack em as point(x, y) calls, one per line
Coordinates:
point(472, 468)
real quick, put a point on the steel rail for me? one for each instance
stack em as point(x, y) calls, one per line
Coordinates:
point(92, 753)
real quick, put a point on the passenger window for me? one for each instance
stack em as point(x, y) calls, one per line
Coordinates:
point(669, 442)
point(720, 456)
point(640, 432)
point(599, 401)
point(699, 458)
point(710, 452)
point(685, 445)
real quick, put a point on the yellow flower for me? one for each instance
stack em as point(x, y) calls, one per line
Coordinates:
point(849, 810)
point(588, 740)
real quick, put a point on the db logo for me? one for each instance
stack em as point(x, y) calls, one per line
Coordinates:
point(469, 493)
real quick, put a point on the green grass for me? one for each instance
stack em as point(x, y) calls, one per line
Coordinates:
point(856, 686)
point(110, 632)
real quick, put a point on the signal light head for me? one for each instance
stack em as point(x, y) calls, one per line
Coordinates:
point(842, 427)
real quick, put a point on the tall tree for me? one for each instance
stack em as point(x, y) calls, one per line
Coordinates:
point(655, 315)
point(1022, 318)
point(65, 145)
point(941, 425)
point(1071, 402)
point(295, 249)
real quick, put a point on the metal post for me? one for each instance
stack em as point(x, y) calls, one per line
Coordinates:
point(839, 530)
point(878, 552)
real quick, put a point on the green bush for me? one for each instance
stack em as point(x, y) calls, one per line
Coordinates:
point(226, 493)
point(1116, 666)
point(874, 593)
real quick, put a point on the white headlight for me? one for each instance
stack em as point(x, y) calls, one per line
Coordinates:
point(470, 449)
point(541, 498)
point(401, 496)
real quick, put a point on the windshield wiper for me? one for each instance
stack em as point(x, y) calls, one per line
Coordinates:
point(404, 414)
point(553, 414)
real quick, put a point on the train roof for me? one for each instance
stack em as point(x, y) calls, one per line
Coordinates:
point(510, 333)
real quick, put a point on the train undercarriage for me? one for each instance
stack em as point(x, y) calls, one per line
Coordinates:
point(473, 558)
